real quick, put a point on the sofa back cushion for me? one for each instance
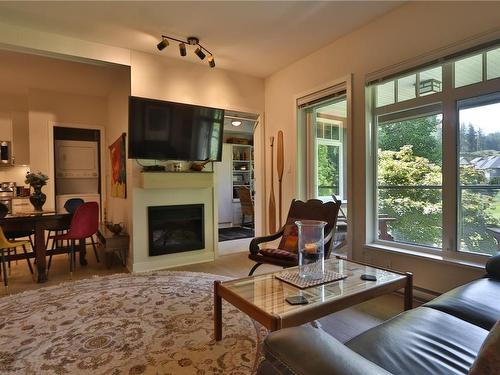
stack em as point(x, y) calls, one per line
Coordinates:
point(488, 359)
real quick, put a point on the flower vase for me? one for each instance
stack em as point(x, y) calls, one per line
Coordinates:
point(37, 198)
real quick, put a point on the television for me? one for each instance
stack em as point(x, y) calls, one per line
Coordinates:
point(161, 130)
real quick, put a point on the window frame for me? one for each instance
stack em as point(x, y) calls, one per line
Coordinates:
point(448, 97)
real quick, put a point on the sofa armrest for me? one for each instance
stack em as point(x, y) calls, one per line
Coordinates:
point(493, 267)
point(307, 350)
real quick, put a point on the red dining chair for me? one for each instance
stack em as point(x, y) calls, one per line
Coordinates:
point(84, 224)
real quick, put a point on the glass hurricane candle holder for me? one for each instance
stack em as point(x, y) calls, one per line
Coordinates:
point(311, 248)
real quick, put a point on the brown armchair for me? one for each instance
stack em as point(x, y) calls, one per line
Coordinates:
point(286, 255)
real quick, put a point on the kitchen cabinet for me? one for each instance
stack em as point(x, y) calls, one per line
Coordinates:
point(20, 138)
point(14, 128)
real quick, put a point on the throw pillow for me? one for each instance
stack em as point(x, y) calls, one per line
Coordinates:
point(488, 359)
point(290, 239)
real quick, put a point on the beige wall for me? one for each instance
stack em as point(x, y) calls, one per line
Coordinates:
point(404, 34)
point(47, 108)
point(179, 81)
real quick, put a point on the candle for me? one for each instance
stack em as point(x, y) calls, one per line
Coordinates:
point(310, 248)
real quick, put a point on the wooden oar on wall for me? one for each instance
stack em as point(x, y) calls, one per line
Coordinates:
point(280, 164)
point(272, 202)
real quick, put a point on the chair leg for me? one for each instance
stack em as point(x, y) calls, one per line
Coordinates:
point(242, 220)
point(8, 260)
point(254, 268)
point(95, 249)
point(27, 259)
point(72, 248)
point(4, 269)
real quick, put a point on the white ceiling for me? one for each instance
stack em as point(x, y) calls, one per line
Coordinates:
point(253, 37)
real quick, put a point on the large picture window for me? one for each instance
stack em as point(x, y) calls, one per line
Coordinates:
point(436, 149)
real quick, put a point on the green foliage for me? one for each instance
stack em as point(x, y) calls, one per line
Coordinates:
point(422, 133)
point(328, 169)
point(418, 212)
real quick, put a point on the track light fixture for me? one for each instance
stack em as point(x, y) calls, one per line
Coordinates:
point(163, 43)
point(211, 61)
point(182, 49)
point(200, 51)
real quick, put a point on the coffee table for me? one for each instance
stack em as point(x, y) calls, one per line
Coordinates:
point(262, 297)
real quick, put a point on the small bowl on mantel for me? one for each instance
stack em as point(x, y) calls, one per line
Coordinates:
point(116, 229)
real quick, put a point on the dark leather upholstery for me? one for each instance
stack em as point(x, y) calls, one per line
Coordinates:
point(422, 341)
point(309, 350)
point(477, 302)
point(442, 337)
point(493, 267)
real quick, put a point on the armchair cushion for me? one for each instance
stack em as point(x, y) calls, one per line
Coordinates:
point(290, 239)
point(278, 253)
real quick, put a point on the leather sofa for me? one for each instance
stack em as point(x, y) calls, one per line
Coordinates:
point(443, 336)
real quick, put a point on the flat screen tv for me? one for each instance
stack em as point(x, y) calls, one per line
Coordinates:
point(161, 130)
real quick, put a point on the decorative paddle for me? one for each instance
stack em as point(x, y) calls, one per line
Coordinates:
point(280, 164)
point(272, 202)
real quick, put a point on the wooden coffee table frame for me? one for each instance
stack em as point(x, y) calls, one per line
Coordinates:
point(310, 312)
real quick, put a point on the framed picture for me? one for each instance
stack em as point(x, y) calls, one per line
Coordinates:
point(118, 168)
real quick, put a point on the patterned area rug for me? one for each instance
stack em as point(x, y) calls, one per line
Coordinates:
point(130, 324)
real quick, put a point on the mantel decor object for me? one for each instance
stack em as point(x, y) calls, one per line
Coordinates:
point(198, 167)
point(37, 181)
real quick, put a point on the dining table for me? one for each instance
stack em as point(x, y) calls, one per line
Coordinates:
point(39, 222)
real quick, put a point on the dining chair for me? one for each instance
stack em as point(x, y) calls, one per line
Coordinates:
point(70, 206)
point(14, 235)
point(84, 224)
point(6, 245)
point(246, 203)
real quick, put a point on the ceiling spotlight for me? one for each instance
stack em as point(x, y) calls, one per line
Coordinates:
point(211, 61)
point(182, 49)
point(199, 53)
point(236, 123)
point(164, 43)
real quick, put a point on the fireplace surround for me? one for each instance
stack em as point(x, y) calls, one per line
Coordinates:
point(175, 228)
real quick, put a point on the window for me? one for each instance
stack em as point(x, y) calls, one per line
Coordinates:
point(436, 143)
point(479, 177)
point(327, 157)
point(410, 180)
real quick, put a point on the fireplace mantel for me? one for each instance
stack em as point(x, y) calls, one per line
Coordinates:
point(177, 180)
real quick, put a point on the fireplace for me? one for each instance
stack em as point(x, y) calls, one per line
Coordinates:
point(175, 229)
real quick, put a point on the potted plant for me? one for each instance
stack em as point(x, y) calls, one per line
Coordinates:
point(36, 181)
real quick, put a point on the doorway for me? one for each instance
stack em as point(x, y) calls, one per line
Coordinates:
point(77, 165)
point(236, 182)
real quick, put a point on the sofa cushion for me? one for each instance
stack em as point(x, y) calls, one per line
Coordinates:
point(421, 341)
point(308, 350)
point(488, 360)
point(476, 302)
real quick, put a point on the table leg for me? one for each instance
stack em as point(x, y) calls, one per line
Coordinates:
point(83, 252)
point(40, 252)
point(409, 291)
point(217, 312)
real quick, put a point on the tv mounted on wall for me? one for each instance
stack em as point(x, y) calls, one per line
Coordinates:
point(161, 130)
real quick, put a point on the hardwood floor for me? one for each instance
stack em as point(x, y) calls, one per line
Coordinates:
point(343, 325)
